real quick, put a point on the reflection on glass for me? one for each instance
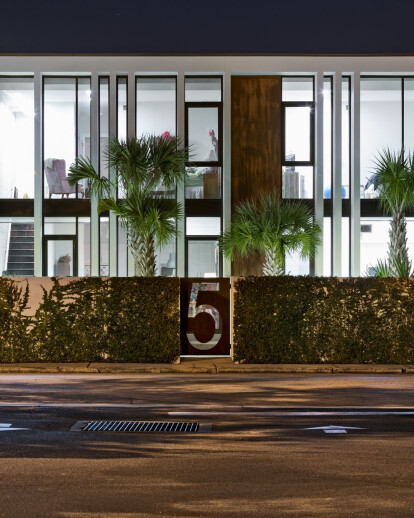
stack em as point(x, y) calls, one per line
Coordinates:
point(16, 138)
point(327, 137)
point(296, 265)
point(84, 247)
point(54, 226)
point(409, 115)
point(297, 133)
point(60, 258)
point(297, 89)
point(345, 248)
point(15, 259)
point(297, 182)
point(122, 251)
point(381, 112)
point(104, 246)
point(103, 124)
point(203, 258)
point(202, 89)
point(156, 105)
point(327, 250)
point(203, 183)
point(84, 129)
point(203, 134)
point(202, 226)
point(166, 260)
point(122, 108)
point(346, 124)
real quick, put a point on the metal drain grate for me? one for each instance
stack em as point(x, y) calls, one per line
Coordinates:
point(139, 426)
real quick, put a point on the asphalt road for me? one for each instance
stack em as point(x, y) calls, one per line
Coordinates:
point(289, 445)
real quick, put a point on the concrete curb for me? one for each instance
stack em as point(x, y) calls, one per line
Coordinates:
point(208, 366)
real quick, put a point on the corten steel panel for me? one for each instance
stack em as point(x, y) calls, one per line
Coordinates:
point(203, 325)
point(256, 124)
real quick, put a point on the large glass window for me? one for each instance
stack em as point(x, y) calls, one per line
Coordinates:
point(122, 108)
point(298, 129)
point(103, 124)
point(203, 256)
point(381, 125)
point(346, 125)
point(327, 138)
point(104, 246)
point(204, 120)
point(16, 137)
point(66, 133)
point(156, 105)
point(16, 247)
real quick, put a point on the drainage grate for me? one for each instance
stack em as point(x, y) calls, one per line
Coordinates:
point(139, 426)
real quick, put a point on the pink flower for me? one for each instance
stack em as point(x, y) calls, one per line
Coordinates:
point(166, 135)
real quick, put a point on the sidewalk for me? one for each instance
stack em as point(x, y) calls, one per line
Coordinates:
point(199, 366)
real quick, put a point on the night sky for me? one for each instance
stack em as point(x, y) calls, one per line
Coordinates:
point(209, 27)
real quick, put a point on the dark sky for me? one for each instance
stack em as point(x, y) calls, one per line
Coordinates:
point(208, 27)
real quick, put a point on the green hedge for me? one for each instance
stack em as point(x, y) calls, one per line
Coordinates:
point(92, 319)
point(320, 320)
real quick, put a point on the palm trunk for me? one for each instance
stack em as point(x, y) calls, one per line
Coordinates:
point(143, 250)
point(271, 265)
point(397, 247)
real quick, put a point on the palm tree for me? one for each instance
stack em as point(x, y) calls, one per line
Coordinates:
point(394, 179)
point(147, 168)
point(273, 226)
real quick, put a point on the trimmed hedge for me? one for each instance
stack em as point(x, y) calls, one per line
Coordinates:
point(324, 319)
point(92, 319)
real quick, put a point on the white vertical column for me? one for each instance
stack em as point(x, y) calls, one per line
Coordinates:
point(131, 128)
point(38, 178)
point(227, 163)
point(355, 173)
point(95, 162)
point(181, 189)
point(319, 165)
point(337, 175)
point(113, 231)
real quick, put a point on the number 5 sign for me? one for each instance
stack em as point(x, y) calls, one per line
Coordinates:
point(205, 313)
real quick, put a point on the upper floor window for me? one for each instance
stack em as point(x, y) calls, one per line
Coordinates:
point(16, 137)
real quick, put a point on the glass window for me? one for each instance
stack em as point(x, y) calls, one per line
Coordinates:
point(122, 251)
point(297, 89)
point(345, 247)
point(60, 257)
point(327, 247)
point(203, 258)
point(381, 125)
point(296, 265)
point(297, 133)
point(409, 115)
point(374, 242)
point(103, 124)
point(66, 129)
point(54, 226)
point(16, 137)
point(203, 134)
point(199, 226)
point(327, 138)
point(166, 260)
point(297, 182)
point(202, 89)
point(104, 246)
point(203, 183)
point(346, 124)
point(156, 105)
point(122, 105)
point(84, 247)
point(16, 247)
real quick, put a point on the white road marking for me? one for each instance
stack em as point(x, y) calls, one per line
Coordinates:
point(7, 427)
point(335, 429)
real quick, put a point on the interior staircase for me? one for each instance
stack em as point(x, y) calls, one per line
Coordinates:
point(20, 261)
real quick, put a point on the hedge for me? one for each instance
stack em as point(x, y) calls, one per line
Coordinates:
point(92, 319)
point(321, 320)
